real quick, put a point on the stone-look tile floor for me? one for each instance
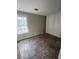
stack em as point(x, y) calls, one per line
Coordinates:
point(42, 46)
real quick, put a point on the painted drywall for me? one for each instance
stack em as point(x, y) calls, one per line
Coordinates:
point(45, 6)
point(36, 24)
point(53, 24)
point(59, 57)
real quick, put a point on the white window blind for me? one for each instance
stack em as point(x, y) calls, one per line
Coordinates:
point(22, 25)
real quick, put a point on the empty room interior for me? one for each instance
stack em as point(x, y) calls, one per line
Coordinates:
point(38, 29)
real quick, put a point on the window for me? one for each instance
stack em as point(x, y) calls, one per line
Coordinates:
point(22, 25)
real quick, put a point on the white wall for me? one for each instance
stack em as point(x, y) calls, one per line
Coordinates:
point(53, 24)
point(35, 25)
point(59, 57)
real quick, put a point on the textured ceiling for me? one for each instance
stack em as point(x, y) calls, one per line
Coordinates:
point(45, 7)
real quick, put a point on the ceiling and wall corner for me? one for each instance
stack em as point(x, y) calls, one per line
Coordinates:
point(49, 9)
point(45, 7)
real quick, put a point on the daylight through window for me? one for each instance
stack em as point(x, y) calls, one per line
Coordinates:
point(22, 25)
